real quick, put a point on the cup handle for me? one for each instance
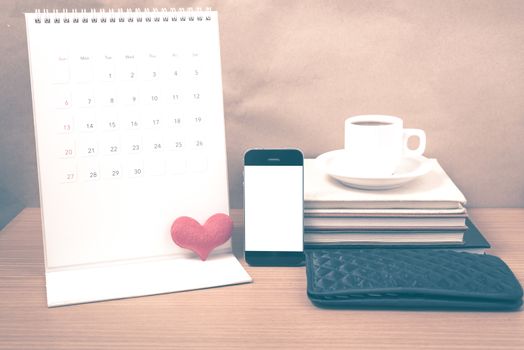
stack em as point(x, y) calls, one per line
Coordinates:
point(421, 145)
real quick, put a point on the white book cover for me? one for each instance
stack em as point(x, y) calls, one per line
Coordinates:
point(370, 212)
point(385, 237)
point(435, 190)
point(451, 222)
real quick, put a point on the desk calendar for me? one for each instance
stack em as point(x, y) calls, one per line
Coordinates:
point(130, 135)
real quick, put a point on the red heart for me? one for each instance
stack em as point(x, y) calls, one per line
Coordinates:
point(188, 233)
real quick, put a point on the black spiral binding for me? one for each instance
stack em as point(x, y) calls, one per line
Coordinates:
point(120, 15)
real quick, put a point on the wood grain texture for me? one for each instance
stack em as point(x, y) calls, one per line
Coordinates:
point(272, 312)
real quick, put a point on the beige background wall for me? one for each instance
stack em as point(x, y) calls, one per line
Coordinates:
point(294, 70)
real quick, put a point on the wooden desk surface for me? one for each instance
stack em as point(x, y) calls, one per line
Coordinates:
point(271, 312)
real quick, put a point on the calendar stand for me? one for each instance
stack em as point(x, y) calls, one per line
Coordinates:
point(129, 128)
point(132, 279)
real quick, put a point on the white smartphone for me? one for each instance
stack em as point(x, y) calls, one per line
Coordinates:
point(274, 207)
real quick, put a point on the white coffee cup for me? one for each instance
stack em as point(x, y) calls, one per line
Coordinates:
point(375, 144)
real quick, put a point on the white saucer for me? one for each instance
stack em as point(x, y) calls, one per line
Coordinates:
point(334, 164)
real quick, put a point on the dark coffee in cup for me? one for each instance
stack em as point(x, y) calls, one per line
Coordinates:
point(371, 123)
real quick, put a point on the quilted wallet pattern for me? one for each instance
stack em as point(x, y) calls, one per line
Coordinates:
point(410, 278)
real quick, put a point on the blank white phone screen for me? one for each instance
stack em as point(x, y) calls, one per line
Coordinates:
point(273, 204)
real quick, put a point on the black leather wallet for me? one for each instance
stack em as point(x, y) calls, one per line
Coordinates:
point(410, 278)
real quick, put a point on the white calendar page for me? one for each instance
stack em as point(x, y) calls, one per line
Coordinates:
point(129, 130)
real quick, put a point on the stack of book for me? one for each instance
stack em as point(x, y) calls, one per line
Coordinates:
point(428, 212)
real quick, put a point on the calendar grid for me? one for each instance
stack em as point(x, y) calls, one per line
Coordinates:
point(129, 128)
